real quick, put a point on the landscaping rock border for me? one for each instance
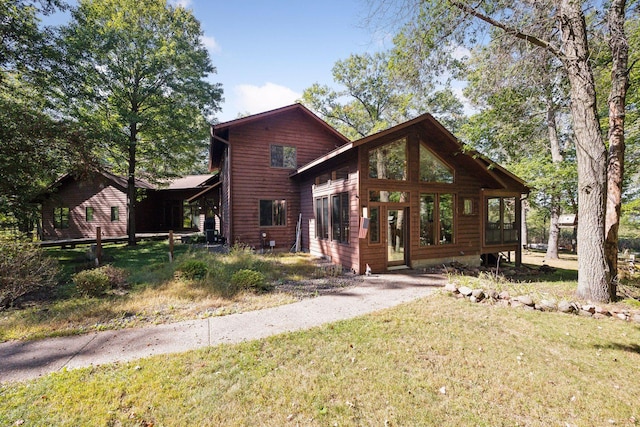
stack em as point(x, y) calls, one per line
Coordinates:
point(527, 301)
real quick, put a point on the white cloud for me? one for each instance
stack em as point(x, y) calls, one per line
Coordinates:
point(183, 3)
point(458, 88)
point(460, 52)
point(211, 44)
point(256, 99)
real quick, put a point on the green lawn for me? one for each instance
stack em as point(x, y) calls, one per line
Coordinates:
point(438, 361)
point(156, 292)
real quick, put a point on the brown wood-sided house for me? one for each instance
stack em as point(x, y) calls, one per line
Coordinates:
point(410, 196)
point(73, 208)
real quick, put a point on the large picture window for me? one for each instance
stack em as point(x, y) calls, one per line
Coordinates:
point(432, 169)
point(272, 213)
point(61, 217)
point(389, 161)
point(340, 217)
point(283, 157)
point(437, 219)
point(500, 221)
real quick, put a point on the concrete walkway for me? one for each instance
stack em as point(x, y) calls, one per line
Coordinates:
point(23, 360)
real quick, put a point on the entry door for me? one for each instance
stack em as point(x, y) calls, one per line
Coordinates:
point(397, 232)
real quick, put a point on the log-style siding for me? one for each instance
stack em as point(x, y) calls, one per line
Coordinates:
point(468, 232)
point(251, 177)
point(345, 254)
point(98, 194)
point(241, 149)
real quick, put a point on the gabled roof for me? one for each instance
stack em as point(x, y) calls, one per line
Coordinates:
point(429, 124)
point(277, 111)
point(220, 130)
point(183, 183)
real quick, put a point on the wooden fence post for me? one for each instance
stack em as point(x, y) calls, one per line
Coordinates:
point(98, 246)
point(170, 245)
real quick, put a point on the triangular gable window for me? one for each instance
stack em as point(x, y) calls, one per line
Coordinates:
point(432, 169)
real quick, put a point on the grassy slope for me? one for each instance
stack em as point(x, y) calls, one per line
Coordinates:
point(438, 361)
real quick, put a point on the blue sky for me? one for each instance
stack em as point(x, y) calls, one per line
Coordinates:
point(267, 52)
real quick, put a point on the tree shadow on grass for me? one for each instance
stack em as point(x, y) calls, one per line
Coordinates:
point(632, 348)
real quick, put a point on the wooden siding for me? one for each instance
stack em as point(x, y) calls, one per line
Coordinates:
point(345, 254)
point(77, 196)
point(253, 179)
point(468, 232)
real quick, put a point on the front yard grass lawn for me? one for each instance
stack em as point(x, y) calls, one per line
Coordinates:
point(439, 361)
point(156, 292)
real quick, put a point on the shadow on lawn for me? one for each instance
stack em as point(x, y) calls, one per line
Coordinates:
point(631, 348)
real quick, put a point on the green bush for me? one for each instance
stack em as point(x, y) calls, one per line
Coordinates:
point(97, 281)
point(193, 269)
point(93, 282)
point(24, 268)
point(117, 276)
point(249, 279)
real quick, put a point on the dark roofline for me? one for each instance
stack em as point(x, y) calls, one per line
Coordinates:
point(487, 164)
point(266, 114)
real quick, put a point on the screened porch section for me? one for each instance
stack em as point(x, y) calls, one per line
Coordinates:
point(500, 221)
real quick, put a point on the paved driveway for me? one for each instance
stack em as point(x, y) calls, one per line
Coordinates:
point(23, 360)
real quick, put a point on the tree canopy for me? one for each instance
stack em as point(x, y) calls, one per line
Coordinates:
point(135, 77)
point(375, 95)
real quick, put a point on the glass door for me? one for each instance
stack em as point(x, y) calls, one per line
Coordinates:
point(396, 236)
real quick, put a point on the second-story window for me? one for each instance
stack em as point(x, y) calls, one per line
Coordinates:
point(283, 157)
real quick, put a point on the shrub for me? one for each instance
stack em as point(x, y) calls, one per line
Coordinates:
point(249, 279)
point(24, 268)
point(96, 281)
point(117, 276)
point(193, 269)
point(93, 282)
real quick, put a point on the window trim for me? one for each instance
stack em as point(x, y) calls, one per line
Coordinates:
point(437, 220)
point(115, 213)
point(515, 230)
point(274, 214)
point(322, 217)
point(283, 165)
point(89, 213)
point(340, 226)
point(61, 217)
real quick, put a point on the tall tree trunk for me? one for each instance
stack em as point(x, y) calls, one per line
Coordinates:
point(593, 271)
point(556, 157)
point(617, 99)
point(131, 186)
point(554, 228)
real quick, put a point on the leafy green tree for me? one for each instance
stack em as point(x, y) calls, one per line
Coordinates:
point(375, 96)
point(558, 27)
point(522, 122)
point(135, 78)
point(33, 146)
